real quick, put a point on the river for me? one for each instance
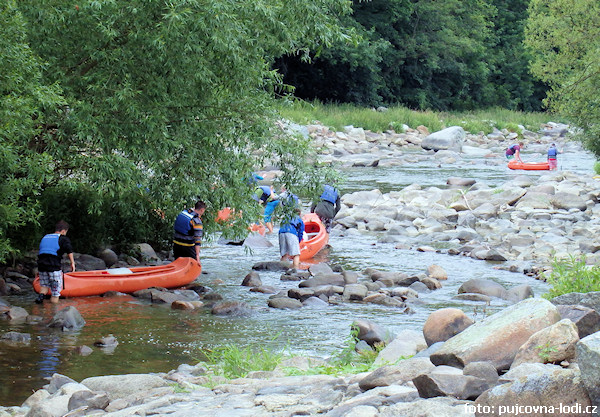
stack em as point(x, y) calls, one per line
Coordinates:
point(154, 338)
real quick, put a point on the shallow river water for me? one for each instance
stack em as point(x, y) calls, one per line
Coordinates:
point(154, 338)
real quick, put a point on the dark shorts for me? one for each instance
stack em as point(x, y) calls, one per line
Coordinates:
point(52, 280)
point(180, 251)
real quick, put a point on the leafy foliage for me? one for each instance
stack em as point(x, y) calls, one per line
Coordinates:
point(564, 38)
point(572, 275)
point(233, 361)
point(425, 54)
point(164, 103)
point(25, 99)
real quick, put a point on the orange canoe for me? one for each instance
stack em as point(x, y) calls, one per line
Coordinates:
point(529, 166)
point(178, 273)
point(317, 236)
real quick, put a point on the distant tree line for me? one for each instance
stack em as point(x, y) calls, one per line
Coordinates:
point(424, 54)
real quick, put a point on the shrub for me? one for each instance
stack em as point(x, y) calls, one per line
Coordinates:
point(572, 275)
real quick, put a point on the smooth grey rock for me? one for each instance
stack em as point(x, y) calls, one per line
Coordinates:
point(119, 386)
point(498, 337)
point(284, 303)
point(588, 358)
point(67, 319)
point(586, 319)
point(252, 280)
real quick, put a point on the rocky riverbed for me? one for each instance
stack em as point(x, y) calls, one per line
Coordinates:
point(531, 353)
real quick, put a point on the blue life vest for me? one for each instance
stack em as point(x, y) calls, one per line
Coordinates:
point(330, 194)
point(49, 244)
point(552, 152)
point(182, 222)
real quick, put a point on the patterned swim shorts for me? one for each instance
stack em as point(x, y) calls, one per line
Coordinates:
point(52, 280)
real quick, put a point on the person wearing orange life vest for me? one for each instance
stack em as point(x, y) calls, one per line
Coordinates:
point(52, 248)
point(188, 232)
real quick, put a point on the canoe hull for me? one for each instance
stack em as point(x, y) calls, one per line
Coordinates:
point(529, 166)
point(178, 273)
point(310, 247)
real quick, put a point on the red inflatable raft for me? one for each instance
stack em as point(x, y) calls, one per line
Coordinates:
point(178, 273)
point(529, 166)
point(317, 236)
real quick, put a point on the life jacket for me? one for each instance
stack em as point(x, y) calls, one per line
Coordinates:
point(49, 244)
point(511, 150)
point(182, 222)
point(330, 194)
point(552, 152)
point(266, 193)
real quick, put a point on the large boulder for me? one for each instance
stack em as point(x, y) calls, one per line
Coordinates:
point(497, 338)
point(586, 319)
point(588, 358)
point(88, 262)
point(398, 374)
point(450, 138)
point(557, 389)
point(589, 299)
point(483, 286)
point(444, 381)
point(442, 324)
point(372, 333)
point(119, 386)
point(550, 345)
point(66, 319)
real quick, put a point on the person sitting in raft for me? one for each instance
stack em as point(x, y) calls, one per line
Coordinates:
point(188, 232)
point(267, 197)
point(328, 206)
point(552, 154)
point(515, 152)
point(291, 233)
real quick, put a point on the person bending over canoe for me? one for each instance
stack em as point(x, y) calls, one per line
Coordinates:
point(290, 236)
point(188, 231)
point(328, 206)
point(514, 152)
point(52, 248)
point(267, 197)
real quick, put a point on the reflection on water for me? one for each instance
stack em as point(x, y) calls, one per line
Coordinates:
point(154, 338)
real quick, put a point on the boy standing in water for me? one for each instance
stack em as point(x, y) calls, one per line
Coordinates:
point(52, 247)
point(290, 236)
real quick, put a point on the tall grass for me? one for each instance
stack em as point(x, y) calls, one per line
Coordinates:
point(572, 275)
point(233, 361)
point(336, 116)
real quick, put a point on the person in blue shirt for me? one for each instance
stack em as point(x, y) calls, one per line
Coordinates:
point(267, 197)
point(290, 235)
point(52, 248)
point(328, 206)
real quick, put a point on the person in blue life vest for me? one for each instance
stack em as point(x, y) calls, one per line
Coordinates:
point(188, 232)
point(552, 154)
point(290, 235)
point(52, 248)
point(328, 205)
point(514, 152)
point(266, 197)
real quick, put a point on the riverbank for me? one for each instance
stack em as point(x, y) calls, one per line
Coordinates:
point(408, 246)
point(454, 367)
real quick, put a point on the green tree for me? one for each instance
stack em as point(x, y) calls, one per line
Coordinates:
point(166, 101)
point(514, 86)
point(24, 102)
point(564, 38)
